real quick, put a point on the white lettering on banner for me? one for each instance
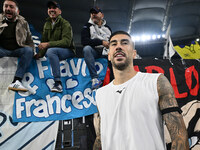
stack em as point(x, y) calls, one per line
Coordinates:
point(83, 69)
point(77, 97)
point(87, 93)
point(28, 107)
point(100, 67)
point(41, 110)
point(44, 108)
point(36, 40)
point(76, 68)
point(27, 84)
point(65, 67)
point(50, 101)
point(19, 107)
point(63, 105)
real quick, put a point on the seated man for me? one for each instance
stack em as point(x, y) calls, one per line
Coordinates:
point(15, 41)
point(57, 42)
point(94, 38)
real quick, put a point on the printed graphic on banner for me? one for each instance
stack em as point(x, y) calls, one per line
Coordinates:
point(39, 104)
point(26, 136)
point(189, 52)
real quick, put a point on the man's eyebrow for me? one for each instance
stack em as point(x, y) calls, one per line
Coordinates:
point(122, 40)
point(113, 41)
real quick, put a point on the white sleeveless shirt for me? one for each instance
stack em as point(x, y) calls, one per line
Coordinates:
point(130, 116)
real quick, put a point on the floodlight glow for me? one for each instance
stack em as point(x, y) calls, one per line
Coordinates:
point(145, 38)
point(158, 36)
point(163, 35)
point(197, 39)
point(132, 38)
point(137, 38)
point(154, 37)
point(148, 37)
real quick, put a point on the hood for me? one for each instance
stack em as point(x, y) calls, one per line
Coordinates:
point(90, 21)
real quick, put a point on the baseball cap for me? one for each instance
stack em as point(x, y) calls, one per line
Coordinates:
point(53, 3)
point(95, 10)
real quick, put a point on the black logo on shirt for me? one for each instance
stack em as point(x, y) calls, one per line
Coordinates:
point(120, 91)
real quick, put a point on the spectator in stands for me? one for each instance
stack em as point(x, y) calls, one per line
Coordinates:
point(15, 41)
point(94, 38)
point(57, 42)
point(134, 105)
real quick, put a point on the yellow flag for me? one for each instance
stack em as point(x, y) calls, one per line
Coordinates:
point(189, 52)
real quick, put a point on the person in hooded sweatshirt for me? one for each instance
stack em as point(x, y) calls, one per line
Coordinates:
point(94, 38)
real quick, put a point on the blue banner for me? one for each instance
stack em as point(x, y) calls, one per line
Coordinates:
point(40, 104)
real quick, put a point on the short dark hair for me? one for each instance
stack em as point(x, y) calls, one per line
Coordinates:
point(121, 32)
point(12, 1)
point(95, 10)
point(53, 3)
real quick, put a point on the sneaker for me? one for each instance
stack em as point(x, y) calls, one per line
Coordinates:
point(17, 86)
point(57, 88)
point(96, 83)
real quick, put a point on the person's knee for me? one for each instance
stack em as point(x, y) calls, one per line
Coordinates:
point(28, 51)
point(50, 52)
point(87, 50)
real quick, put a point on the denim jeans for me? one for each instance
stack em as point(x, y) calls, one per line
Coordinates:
point(55, 54)
point(90, 55)
point(25, 54)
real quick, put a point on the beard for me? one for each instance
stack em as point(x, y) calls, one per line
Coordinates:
point(10, 15)
point(96, 20)
point(121, 66)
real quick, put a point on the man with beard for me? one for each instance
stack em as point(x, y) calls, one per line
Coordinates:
point(15, 41)
point(94, 38)
point(134, 105)
point(57, 42)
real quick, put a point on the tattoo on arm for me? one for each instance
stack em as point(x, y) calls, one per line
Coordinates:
point(173, 120)
point(97, 143)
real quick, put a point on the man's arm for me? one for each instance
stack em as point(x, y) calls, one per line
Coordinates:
point(173, 119)
point(97, 143)
point(86, 37)
point(29, 39)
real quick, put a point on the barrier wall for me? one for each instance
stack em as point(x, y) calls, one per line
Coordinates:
point(23, 135)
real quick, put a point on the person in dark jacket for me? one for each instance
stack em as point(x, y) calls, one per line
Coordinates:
point(94, 38)
point(15, 41)
point(57, 42)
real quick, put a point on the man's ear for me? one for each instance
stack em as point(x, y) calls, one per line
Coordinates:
point(60, 12)
point(102, 15)
point(134, 54)
point(108, 56)
point(17, 11)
